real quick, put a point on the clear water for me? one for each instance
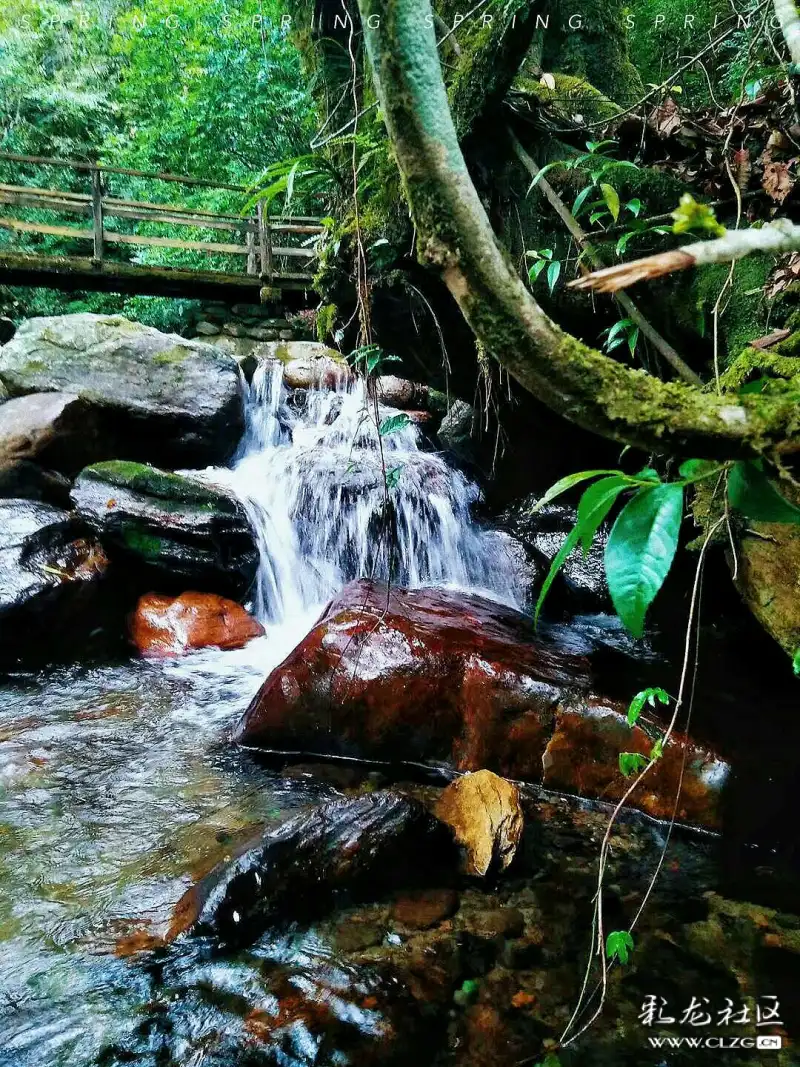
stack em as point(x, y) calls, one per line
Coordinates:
point(120, 786)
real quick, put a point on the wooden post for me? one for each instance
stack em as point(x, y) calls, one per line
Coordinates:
point(265, 242)
point(97, 217)
point(250, 240)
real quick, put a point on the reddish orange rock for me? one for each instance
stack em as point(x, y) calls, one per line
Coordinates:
point(171, 626)
point(449, 679)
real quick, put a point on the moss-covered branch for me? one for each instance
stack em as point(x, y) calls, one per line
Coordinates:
point(455, 235)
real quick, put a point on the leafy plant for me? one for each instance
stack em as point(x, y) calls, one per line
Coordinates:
point(644, 538)
point(645, 696)
point(623, 332)
point(693, 217)
point(631, 762)
point(371, 359)
point(619, 944)
point(544, 259)
point(394, 423)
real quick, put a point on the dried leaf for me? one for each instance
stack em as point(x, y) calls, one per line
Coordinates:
point(485, 814)
point(777, 181)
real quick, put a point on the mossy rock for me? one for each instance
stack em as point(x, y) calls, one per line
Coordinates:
point(570, 96)
point(176, 533)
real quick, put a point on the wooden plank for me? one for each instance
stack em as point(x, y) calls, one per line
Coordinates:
point(74, 164)
point(49, 203)
point(97, 217)
point(33, 189)
point(17, 225)
point(76, 273)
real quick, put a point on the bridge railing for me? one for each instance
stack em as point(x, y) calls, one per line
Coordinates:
point(273, 249)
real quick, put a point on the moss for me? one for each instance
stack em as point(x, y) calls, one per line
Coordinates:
point(172, 355)
point(754, 363)
point(745, 308)
point(571, 95)
point(598, 51)
point(141, 478)
point(142, 543)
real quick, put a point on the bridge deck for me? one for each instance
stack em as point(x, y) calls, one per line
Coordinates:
point(278, 253)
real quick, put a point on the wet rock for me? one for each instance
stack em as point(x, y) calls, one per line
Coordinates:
point(425, 908)
point(581, 583)
point(161, 398)
point(447, 680)
point(263, 333)
point(358, 847)
point(179, 530)
point(407, 395)
point(51, 575)
point(207, 329)
point(7, 330)
point(456, 432)
point(29, 481)
point(485, 815)
point(57, 430)
point(498, 922)
point(171, 626)
point(352, 936)
point(319, 372)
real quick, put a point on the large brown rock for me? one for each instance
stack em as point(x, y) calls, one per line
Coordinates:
point(56, 430)
point(171, 626)
point(456, 681)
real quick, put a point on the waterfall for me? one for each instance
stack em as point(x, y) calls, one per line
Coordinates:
point(310, 472)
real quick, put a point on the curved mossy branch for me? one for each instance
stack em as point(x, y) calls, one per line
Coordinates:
point(454, 234)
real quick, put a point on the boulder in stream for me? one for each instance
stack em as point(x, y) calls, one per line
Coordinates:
point(180, 530)
point(57, 431)
point(356, 848)
point(51, 573)
point(164, 626)
point(160, 398)
point(452, 681)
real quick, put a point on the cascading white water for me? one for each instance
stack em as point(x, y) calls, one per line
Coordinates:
point(310, 472)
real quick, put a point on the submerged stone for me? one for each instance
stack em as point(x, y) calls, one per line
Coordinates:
point(181, 529)
point(454, 681)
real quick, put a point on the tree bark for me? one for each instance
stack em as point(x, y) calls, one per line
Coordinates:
point(454, 235)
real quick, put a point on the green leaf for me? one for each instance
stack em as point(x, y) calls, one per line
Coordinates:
point(611, 197)
point(622, 244)
point(645, 696)
point(633, 340)
point(657, 751)
point(393, 423)
point(631, 762)
point(640, 551)
point(796, 662)
point(581, 199)
point(536, 269)
point(393, 477)
point(648, 474)
point(550, 1060)
point(694, 469)
point(634, 206)
point(542, 172)
point(619, 943)
point(755, 495)
point(589, 518)
point(564, 484)
point(553, 272)
point(595, 505)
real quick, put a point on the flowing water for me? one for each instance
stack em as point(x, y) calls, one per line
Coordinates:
point(119, 785)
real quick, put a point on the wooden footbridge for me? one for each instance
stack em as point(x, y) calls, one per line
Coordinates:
point(122, 248)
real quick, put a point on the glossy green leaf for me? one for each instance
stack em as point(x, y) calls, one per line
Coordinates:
point(581, 199)
point(641, 549)
point(393, 423)
point(694, 469)
point(595, 505)
point(631, 762)
point(752, 493)
point(564, 484)
point(619, 944)
point(553, 272)
point(393, 477)
point(611, 197)
point(634, 206)
point(645, 696)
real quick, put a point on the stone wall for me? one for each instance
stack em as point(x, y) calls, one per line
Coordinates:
point(241, 328)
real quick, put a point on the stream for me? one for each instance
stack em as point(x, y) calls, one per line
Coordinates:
point(120, 787)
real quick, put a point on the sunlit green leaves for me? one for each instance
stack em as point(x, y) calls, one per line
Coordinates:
point(611, 198)
point(693, 217)
point(619, 945)
point(640, 551)
point(645, 696)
